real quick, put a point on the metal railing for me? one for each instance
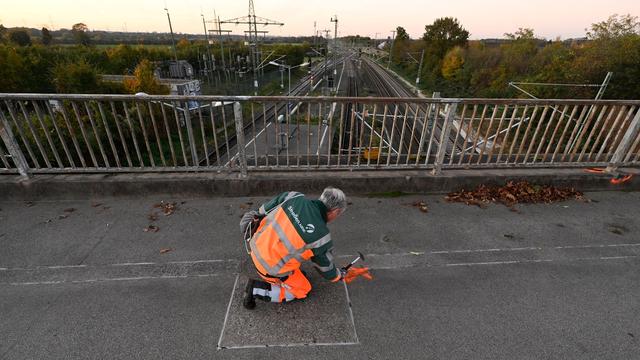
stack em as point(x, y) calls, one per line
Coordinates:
point(43, 133)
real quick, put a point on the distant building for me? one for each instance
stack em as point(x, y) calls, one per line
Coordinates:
point(180, 69)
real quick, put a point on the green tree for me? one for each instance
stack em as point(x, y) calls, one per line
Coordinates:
point(20, 37)
point(11, 70)
point(614, 27)
point(452, 63)
point(521, 34)
point(46, 37)
point(80, 33)
point(76, 78)
point(443, 35)
point(400, 45)
point(145, 81)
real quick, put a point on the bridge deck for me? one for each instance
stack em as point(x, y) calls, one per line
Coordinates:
point(82, 280)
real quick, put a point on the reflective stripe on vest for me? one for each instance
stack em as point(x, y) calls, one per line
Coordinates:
point(277, 248)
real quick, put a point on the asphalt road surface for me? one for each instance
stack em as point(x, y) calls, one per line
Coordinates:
point(83, 280)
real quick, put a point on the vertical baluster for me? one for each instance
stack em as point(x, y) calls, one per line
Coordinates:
point(535, 135)
point(612, 114)
point(340, 133)
point(584, 128)
point(157, 134)
point(618, 138)
point(604, 112)
point(60, 137)
point(120, 133)
point(393, 128)
point(204, 138)
point(467, 133)
point(134, 136)
point(486, 134)
point(566, 128)
point(455, 141)
point(76, 143)
point(477, 134)
point(144, 135)
point(525, 137)
point(96, 135)
point(255, 139)
point(169, 135)
point(574, 132)
point(215, 134)
point(423, 133)
point(84, 134)
point(109, 136)
point(35, 134)
point(496, 138)
point(46, 132)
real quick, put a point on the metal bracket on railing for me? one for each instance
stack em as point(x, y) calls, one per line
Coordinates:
point(13, 148)
point(242, 155)
point(442, 144)
point(624, 147)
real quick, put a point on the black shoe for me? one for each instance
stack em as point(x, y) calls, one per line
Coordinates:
point(249, 301)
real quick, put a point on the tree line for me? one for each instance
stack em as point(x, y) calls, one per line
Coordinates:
point(458, 67)
point(39, 65)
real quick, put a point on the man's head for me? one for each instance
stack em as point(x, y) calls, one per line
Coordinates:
point(335, 201)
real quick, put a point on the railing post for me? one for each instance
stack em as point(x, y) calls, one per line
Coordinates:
point(444, 134)
point(13, 148)
point(192, 139)
point(625, 145)
point(242, 155)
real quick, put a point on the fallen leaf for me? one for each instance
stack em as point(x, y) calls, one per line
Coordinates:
point(95, 204)
point(69, 210)
point(151, 228)
point(514, 193)
point(509, 236)
point(165, 250)
point(421, 205)
point(167, 208)
point(60, 217)
point(29, 203)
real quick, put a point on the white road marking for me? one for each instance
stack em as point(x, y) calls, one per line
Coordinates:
point(113, 279)
point(353, 322)
point(285, 345)
point(226, 316)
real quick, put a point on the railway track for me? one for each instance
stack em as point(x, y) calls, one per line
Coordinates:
point(414, 116)
point(254, 125)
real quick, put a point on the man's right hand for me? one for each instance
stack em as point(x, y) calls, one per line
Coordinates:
point(247, 219)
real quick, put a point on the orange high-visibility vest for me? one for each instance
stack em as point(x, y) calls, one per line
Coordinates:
point(276, 248)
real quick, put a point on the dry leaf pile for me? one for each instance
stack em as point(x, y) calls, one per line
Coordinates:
point(166, 208)
point(515, 193)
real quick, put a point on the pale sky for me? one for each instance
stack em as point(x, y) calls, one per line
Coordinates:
point(484, 19)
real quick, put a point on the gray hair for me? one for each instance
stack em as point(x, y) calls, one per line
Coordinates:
point(334, 198)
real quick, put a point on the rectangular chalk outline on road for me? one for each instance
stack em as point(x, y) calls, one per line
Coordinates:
point(293, 322)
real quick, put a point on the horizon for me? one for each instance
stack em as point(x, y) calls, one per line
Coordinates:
point(566, 20)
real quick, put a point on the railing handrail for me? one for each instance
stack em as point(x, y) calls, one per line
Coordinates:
point(105, 133)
